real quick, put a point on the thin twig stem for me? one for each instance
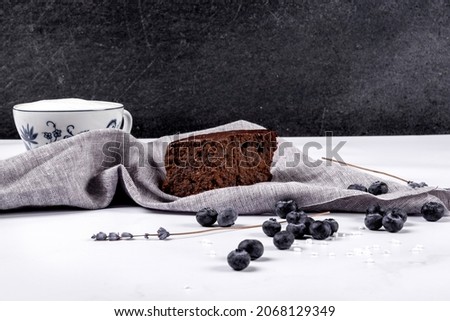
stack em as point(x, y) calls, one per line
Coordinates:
point(366, 169)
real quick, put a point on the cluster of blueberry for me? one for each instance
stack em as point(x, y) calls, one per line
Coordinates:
point(208, 216)
point(247, 250)
point(393, 219)
point(299, 225)
point(376, 188)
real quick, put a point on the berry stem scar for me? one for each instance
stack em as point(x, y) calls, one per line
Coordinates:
point(366, 169)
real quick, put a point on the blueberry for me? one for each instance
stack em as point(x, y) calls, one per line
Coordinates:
point(253, 247)
point(357, 187)
point(100, 236)
point(206, 216)
point(333, 224)
point(282, 208)
point(320, 230)
point(271, 227)
point(298, 230)
point(399, 211)
point(227, 217)
point(308, 221)
point(238, 259)
point(378, 188)
point(374, 208)
point(295, 217)
point(283, 240)
point(373, 221)
point(432, 211)
point(382, 211)
point(392, 222)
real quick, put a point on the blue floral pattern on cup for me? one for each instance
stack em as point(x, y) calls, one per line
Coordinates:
point(57, 133)
point(112, 123)
point(28, 136)
point(54, 134)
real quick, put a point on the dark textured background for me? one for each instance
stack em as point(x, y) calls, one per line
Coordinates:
point(301, 67)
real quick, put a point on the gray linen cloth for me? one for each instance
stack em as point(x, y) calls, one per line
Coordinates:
point(84, 171)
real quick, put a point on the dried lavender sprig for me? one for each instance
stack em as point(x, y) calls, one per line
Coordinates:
point(163, 234)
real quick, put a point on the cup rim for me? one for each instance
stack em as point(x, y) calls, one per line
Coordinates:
point(33, 107)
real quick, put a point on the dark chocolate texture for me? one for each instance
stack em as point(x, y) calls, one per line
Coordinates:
point(231, 158)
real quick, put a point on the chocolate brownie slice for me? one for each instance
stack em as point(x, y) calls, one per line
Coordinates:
point(231, 158)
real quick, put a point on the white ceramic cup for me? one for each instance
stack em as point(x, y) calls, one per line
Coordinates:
point(47, 121)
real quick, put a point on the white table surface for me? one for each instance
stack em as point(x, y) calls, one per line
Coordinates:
point(48, 254)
